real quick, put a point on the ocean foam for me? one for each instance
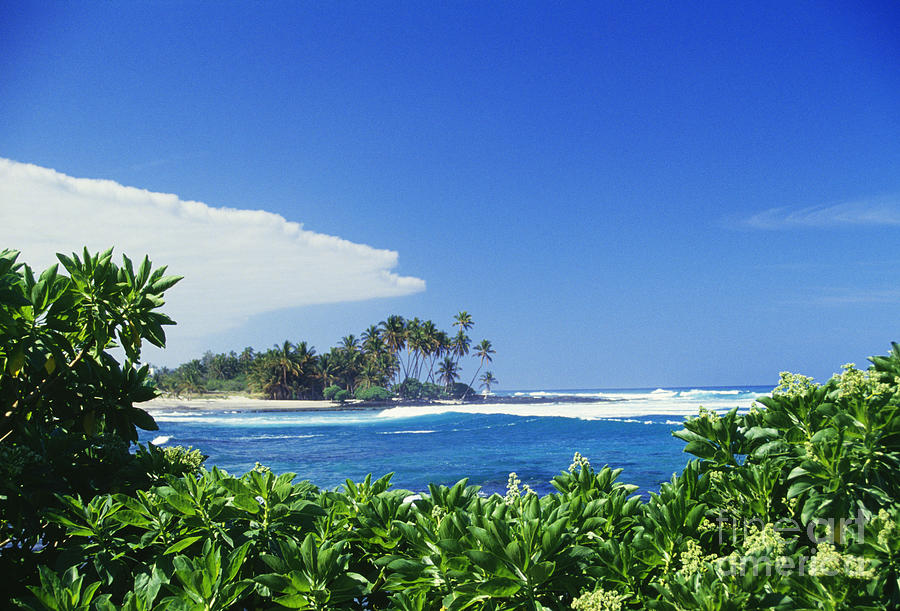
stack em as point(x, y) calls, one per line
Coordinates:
point(405, 432)
point(275, 437)
point(160, 440)
point(635, 408)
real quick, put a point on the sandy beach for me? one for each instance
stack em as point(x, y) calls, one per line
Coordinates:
point(569, 407)
point(240, 403)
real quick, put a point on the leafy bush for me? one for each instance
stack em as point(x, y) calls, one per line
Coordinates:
point(173, 460)
point(235, 385)
point(341, 395)
point(373, 393)
point(458, 390)
point(331, 391)
point(718, 536)
point(69, 412)
point(410, 388)
point(431, 391)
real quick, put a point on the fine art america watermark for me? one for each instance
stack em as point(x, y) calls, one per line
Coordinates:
point(765, 545)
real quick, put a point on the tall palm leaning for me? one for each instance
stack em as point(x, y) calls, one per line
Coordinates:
point(483, 351)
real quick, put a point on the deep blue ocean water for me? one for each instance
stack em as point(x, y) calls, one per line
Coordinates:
point(442, 445)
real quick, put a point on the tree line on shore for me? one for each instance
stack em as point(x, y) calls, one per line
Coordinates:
point(398, 357)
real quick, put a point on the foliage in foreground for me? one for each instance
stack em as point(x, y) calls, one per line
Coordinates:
point(790, 506)
point(69, 412)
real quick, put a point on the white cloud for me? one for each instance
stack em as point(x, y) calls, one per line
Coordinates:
point(883, 212)
point(236, 263)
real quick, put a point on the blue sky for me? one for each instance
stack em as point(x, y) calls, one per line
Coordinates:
point(621, 195)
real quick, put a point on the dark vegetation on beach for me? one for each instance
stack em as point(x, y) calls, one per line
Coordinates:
point(793, 505)
point(397, 358)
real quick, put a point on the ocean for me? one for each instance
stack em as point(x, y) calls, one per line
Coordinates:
point(444, 443)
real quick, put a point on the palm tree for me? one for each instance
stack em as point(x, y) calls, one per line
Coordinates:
point(448, 372)
point(430, 345)
point(326, 370)
point(463, 321)
point(288, 364)
point(394, 333)
point(483, 350)
point(460, 345)
point(350, 343)
point(372, 340)
point(488, 380)
point(442, 348)
point(189, 381)
point(417, 342)
point(306, 374)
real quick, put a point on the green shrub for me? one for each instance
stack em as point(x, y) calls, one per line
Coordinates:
point(373, 393)
point(66, 399)
point(410, 388)
point(172, 460)
point(432, 391)
point(460, 389)
point(235, 385)
point(331, 391)
point(342, 395)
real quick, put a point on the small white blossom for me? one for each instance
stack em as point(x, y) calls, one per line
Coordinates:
point(579, 462)
point(599, 600)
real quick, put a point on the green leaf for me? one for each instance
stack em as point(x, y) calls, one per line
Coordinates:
point(294, 601)
point(769, 448)
point(182, 544)
point(701, 449)
point(499, 587)
point(164, 284)
point(798, 488)
point(142, 419)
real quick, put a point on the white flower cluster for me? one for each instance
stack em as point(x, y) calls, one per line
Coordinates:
point(765, 540)
point(827, 561)
point(794, 385)
point(512, 489)
point(707, 414)
point(692, 559)
point(438, 513)
point(887, 527)
point(579, 462)
point(599, 600)
point(853, 383)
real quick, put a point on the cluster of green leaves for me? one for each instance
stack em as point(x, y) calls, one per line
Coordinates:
point(804, 489)
point(69, 412)
point(214, 541)
point(373, 393)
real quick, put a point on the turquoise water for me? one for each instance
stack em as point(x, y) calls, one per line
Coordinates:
point(442, 444)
